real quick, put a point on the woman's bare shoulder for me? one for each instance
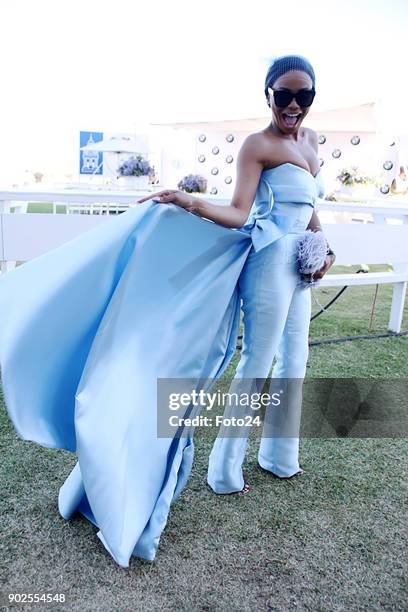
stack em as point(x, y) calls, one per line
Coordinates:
point(312, 137)
point(260, 143)
point(254, 139)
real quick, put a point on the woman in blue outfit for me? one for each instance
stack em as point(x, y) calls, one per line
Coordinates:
point(276, 306)
point(89, 328)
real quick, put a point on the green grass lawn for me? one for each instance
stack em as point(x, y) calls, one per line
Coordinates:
point(45, 207)
point(333, 539)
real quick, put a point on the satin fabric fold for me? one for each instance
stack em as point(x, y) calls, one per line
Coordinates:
point(86, 330)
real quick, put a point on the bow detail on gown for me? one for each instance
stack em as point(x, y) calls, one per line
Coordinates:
point(269, 219)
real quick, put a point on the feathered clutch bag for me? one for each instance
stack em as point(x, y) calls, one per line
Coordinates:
point(311, 254)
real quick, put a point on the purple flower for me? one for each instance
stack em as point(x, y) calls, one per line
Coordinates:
point(135, 166)
point(193, 182)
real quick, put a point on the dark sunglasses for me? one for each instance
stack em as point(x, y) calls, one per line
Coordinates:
point(283, 97)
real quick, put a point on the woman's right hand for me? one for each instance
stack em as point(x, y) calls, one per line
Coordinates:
point(171, 196)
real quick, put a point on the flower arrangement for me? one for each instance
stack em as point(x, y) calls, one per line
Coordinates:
point(193, 183)
point(135, 166)
point(350, 176)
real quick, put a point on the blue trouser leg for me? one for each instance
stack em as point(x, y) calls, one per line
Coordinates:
point(280, 454)
point(276, 316)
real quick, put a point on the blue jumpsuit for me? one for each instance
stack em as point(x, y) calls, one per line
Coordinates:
point(276, 316)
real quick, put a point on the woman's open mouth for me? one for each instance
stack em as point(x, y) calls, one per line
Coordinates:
point(290, 120)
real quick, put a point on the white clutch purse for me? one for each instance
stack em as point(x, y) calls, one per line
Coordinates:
point(311, 254)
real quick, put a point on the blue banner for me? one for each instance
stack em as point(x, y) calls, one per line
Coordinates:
point(90, 162)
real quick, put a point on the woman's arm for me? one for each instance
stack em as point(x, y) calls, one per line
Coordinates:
point(314, 223)
point(249, 168)
point(316, 226)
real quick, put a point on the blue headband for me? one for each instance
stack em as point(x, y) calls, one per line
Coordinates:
point(283, 64)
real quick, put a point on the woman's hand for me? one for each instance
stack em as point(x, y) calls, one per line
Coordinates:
point(330, 259)
point(171, 196)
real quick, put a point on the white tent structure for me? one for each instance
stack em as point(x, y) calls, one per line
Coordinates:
point(360, 118)
point(354, 135)
point(117, 148)
point(116, 144)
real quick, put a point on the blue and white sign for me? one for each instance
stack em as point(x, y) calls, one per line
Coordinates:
point(90, 162)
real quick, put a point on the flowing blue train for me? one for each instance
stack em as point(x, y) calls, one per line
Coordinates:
point(87, 328)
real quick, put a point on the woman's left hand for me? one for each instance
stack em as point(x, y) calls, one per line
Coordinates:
point(330, 259)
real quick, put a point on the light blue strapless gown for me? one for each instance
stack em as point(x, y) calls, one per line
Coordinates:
point(87, 328)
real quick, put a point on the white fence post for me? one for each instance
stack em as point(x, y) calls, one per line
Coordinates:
point(398, 301)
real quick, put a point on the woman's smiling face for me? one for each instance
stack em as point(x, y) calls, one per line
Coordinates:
point(294, 80)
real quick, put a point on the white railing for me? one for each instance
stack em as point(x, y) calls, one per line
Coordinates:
point(103, 200)
point(384, 240)
point(378, 211)
point(77, 199)
point(24, 236)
